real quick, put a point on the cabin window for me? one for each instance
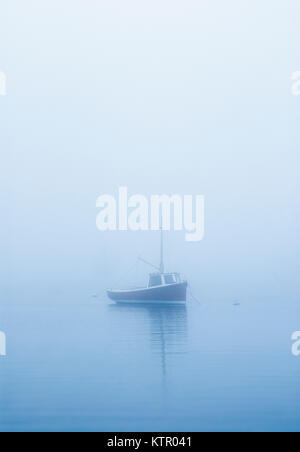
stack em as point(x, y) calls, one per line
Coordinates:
point(155, 280)
point(169, 279)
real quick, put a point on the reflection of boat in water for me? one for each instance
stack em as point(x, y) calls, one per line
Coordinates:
point(168, 328)
point(163, 288)
point(168, 332)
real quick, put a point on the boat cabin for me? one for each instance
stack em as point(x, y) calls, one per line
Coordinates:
point(163, 279)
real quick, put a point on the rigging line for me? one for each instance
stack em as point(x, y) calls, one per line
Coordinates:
point(193, 296)
point(147, 263)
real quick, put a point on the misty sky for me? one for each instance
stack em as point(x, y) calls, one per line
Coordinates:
point(188, 97)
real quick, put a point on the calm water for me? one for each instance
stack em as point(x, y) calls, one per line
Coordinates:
point(81, 363)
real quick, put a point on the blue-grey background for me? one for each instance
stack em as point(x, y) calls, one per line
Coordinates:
point(188, 97)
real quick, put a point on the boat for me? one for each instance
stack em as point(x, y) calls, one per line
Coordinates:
point(163, 288)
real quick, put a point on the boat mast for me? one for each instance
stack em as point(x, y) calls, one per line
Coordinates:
point(162, 267)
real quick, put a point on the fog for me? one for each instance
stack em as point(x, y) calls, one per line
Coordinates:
point(162, 97)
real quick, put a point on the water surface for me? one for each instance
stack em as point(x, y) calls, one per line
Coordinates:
point(95, 366)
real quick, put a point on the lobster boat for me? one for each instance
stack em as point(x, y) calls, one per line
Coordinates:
point(163, 288)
